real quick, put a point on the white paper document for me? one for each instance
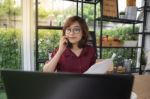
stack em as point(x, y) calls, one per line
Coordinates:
point(100, 67)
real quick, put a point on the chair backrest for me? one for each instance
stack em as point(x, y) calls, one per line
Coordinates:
point(92, 38)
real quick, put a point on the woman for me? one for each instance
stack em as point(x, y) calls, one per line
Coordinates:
point(73, 54)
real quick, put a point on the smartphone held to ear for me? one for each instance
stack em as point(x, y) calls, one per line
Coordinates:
point(67, 43)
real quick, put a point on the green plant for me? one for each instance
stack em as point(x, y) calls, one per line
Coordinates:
point(8, 8)
point(2, 95)
point(123, 33)
point(43, 13)
point(10, 48)
point(118, 61)
point(48, 41)
point(122, 13)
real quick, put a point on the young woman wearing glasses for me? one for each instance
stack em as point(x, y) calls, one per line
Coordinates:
point(73, 54)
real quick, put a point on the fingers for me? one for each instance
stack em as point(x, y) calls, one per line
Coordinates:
point(66, 37)
point(64, 40)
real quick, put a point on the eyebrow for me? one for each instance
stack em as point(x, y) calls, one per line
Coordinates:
point(74, 26)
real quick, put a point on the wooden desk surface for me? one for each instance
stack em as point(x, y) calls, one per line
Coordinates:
point(141, 86)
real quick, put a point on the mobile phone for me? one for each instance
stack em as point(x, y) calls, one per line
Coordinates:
point(68, 44)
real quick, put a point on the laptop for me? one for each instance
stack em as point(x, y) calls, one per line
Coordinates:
point(39, 85)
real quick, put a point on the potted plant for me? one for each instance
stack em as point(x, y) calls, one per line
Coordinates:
point(122, 14)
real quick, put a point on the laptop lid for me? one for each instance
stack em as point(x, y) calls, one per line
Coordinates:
point(39, 85)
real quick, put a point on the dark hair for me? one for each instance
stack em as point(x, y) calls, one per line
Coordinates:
point(83, 26)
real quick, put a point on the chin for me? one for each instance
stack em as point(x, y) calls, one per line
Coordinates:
point(73, 42)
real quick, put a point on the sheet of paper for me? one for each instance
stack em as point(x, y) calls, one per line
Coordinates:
point(100, 67)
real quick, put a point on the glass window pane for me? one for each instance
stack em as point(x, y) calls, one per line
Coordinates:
point(48, 41)
point(54, 12)
point(10, 37)
point(10, 34)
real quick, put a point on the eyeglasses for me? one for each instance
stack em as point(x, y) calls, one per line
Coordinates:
point(74, 30)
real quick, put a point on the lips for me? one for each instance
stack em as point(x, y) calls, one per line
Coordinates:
point(72, 37)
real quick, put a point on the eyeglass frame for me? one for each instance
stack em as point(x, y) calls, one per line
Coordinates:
point(73, 30)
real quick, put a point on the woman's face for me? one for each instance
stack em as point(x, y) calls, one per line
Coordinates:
point(74, 33)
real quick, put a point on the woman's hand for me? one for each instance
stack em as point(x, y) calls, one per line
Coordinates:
point(63, 44)
point(51, 65)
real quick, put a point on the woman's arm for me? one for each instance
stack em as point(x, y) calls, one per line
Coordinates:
point(51, 65)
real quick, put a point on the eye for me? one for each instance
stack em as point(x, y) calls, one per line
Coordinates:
point(68, 30)
point(77, 30)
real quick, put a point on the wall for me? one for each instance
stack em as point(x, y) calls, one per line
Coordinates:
point(147, 40)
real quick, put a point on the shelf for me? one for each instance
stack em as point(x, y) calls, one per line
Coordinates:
point(143, 33)
point(147, 71)
point(110, 19)
point(86, 1)
point(133, 70)
point(147, 8)
point(118, 47)
point(50, 27)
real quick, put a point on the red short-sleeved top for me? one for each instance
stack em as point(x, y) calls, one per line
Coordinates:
point(69, 62)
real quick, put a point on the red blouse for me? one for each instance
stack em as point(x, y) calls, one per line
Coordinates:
point(69, 62)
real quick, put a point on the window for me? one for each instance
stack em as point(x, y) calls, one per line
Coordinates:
point(10, 34)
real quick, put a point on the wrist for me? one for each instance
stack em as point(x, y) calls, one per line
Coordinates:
point(60, 51)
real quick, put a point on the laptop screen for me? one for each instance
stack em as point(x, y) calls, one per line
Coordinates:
point(39, 85)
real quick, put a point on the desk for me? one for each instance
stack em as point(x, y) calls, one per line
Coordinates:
point(141, 86)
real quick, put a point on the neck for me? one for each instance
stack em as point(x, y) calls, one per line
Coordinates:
point(75, 46)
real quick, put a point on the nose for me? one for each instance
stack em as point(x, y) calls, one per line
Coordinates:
point(71, 32)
